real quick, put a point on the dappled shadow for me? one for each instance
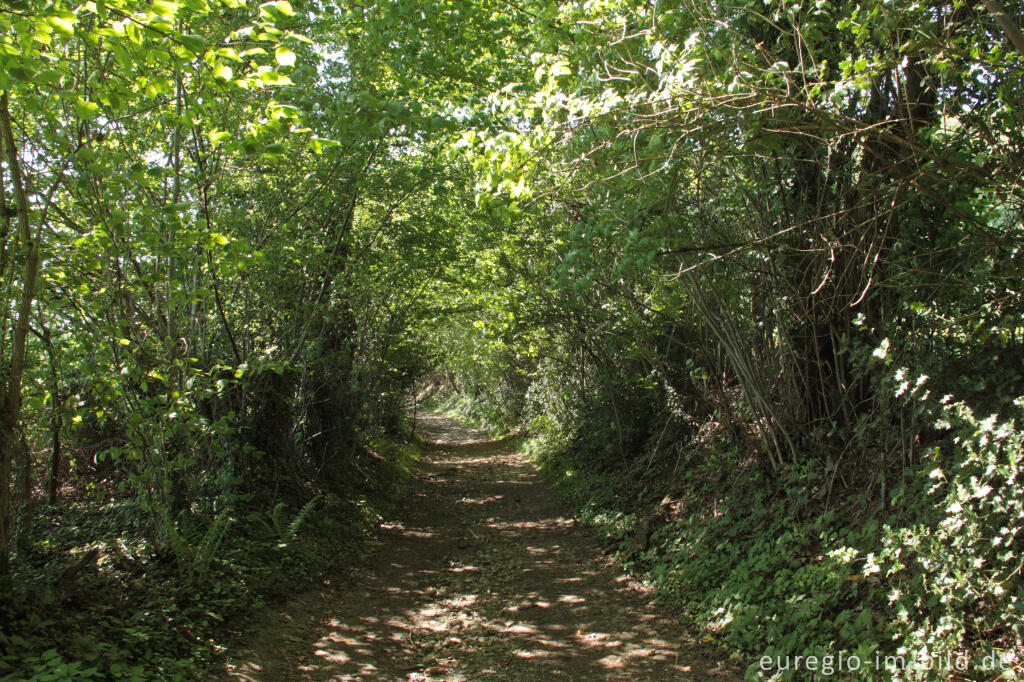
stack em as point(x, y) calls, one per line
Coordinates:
point(441, 431)
point(481, 576)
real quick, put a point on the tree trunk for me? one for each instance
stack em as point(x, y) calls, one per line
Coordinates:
point(1011, 30)
point(56, 417)
point(10, 405)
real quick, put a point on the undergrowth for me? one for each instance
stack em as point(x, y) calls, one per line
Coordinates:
point(142, 611)
point(812, 579)
point(474, 413)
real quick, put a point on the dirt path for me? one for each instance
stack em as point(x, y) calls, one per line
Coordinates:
point(481, 577)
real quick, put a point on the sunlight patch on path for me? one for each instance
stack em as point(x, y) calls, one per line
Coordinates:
point(480, 577)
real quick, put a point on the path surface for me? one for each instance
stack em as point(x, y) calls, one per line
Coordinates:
point(481, 577)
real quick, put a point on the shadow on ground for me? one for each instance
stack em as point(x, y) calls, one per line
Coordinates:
point(481, 576)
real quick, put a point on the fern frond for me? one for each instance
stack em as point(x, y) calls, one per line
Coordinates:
point(293, 527)
point(208, 546)
point(277, 517)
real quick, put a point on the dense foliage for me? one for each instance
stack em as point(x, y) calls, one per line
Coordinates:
point(749, 271)
point(767, 309)
point(225, 229)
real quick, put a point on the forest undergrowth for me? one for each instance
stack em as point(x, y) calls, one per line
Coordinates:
point(100, 600)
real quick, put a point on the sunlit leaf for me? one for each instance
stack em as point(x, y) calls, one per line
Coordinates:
point(284, 56)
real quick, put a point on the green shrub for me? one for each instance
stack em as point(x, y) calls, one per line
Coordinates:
point(768, 571)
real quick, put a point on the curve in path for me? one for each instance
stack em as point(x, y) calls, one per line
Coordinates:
point(481, 576)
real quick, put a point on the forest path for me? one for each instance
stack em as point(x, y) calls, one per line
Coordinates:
point(481, 576)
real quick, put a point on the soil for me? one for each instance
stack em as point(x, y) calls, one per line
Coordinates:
point(481, 575)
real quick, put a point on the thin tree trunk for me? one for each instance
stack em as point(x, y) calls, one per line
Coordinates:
point(1011, 30)
point(55, 451)
point(10, 407)
point(56, 416)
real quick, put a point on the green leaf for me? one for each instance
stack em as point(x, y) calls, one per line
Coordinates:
point(86, 110)
point(194, 43)
point(284, 56)
point(560, 68)
point(64, 25)
point(229, 53)
point(223, 72)
point(165, 8)
point(318, 144)
point(217, 136)
point(282, 7)
point(274, 78)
